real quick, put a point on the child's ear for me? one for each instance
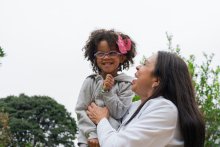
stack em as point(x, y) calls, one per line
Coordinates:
point(122, 58)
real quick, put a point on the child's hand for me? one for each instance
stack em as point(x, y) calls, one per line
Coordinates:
point(108, 82)
point(93, 142)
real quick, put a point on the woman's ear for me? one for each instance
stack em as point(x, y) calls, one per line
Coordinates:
point(122, 58)
point(156, 82)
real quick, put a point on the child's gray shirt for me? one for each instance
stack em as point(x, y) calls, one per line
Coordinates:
point(117, 100)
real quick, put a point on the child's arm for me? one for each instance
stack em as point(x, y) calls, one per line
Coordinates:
point(85, 125)
point(119, 103)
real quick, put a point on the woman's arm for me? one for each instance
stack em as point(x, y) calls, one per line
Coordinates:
point(153, 126)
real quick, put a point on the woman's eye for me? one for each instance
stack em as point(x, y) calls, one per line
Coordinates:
point(143, 61)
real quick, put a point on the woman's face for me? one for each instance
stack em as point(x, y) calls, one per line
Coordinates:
point(145, 81)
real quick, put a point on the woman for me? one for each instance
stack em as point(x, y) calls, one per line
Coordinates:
point(166, 115)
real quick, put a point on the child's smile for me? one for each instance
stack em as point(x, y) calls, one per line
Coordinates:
point(107, 63)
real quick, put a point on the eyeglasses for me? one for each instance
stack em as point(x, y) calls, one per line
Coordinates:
point(103, 54)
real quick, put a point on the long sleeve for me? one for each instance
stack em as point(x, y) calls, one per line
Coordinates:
point(118, 103)
point(85, 125)
point(152, 127)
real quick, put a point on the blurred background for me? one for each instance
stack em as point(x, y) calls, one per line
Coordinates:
point(43, 39)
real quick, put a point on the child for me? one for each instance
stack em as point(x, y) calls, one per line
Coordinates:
point(109, 52)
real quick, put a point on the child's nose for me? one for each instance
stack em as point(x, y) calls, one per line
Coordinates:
point(106, 56)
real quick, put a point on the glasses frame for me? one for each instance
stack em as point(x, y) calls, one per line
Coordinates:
point(100, 54)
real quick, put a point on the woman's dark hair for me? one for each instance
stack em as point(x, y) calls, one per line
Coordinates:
point(111, 37)
point(176, 86)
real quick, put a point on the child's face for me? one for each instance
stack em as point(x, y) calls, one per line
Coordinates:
point(108, 63)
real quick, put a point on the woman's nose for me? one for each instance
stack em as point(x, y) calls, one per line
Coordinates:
point(138, 67)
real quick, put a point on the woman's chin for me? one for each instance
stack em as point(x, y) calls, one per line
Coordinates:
point(133, 82)
point(133, 88)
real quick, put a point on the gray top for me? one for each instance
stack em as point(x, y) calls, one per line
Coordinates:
point(117, 100)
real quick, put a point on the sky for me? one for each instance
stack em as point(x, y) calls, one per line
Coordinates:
point(43, 39)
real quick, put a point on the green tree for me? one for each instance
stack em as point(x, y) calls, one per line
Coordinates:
point(5, 139)
point(4, 128)
point(38, 121)
point(2, 54)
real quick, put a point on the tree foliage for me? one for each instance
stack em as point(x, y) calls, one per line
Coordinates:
point(5, 137)
point(38, 121)
point(2, 54)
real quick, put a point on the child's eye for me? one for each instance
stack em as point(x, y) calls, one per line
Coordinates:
point(113, 53)
point(103, 54)
point(99, 54)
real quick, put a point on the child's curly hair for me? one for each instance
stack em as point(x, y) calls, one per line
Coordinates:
point(111, 37)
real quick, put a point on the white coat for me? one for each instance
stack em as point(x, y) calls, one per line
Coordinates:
point(156, 125)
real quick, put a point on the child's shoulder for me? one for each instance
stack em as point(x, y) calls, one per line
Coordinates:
point(124, 78)
point(92, 76)
point(89, 80)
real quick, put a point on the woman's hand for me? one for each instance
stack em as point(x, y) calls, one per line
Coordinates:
point(96, 113)
point(93, 142)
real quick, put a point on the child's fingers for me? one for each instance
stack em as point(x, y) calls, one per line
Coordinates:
point(108, 85)
point(109, 76)
point(110, 80)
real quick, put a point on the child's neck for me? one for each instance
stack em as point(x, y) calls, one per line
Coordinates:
point(113, 74)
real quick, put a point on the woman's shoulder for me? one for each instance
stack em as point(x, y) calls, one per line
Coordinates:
point(161, 104)
point(160, 109)
point(162, 100)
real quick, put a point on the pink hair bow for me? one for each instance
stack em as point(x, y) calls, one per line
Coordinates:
point(124, 45)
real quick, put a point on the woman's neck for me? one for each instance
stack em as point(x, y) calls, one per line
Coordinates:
point(146, 96)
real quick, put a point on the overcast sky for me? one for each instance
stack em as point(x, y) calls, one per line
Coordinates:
point(43, 39)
